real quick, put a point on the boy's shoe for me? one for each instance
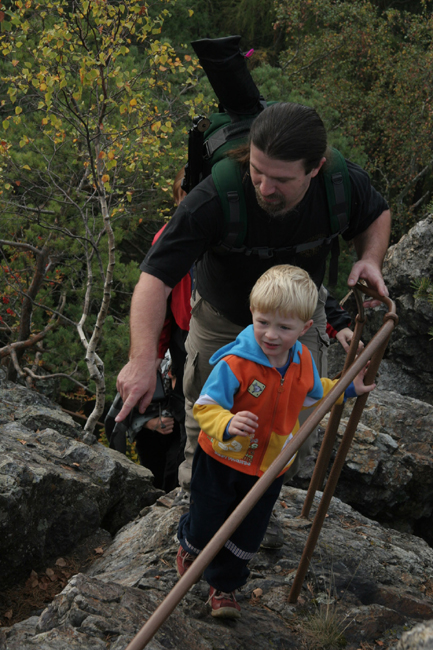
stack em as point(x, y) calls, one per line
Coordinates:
point(184, 561)
point(223, 604)
point(274, 536)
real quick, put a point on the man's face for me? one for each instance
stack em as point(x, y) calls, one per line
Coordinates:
point(279, 185)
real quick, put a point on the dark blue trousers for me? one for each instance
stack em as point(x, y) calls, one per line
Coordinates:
point(216, 490)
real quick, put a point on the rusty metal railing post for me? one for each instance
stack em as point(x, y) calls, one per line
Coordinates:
point(330, 436)
point(378, 343)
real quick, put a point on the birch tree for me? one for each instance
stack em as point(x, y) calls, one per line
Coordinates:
point(87, 110)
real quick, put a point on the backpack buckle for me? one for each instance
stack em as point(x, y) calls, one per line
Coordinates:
point(263, 252)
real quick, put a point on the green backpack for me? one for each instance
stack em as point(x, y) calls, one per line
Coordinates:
point(215, 137)
point(210, 139)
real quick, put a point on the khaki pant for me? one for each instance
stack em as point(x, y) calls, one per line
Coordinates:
point(209, 331)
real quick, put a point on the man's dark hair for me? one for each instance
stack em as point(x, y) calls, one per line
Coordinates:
point(289, 132)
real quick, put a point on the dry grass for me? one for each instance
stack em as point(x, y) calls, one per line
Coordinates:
point(324, 628)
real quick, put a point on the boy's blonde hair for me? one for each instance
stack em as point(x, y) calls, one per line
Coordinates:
point(287, 289)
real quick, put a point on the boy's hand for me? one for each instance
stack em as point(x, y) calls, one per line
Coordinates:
point(359, 385)
point(243, 423)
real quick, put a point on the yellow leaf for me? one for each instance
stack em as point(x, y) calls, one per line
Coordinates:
point(110, 155)
point(18, 110)
point(133, 102)
point(15, 63)
point(191, 13)
point(27, 167)
point(105, 178)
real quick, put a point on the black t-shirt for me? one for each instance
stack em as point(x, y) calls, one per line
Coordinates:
point(225, 280)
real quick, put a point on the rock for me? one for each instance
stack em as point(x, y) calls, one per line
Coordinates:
point(408, 365)
point(34, 411)
point(420, 638)
point(388, 473)
point(378, 582)
point(55, 491)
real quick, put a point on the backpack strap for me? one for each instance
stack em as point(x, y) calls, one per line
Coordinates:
point(227, 177)
point(338, 192)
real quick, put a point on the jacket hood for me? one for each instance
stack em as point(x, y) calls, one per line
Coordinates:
point(246, 347)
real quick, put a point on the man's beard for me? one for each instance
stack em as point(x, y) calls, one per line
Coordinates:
point(275, 209)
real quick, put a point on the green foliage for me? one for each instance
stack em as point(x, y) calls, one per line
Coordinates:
point(191, 20)
point(89, 100)
point(276, 85)
point(376, 68)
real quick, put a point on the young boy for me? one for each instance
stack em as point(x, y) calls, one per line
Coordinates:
point(248, 411)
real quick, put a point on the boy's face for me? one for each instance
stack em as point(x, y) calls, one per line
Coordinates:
point(276, 334)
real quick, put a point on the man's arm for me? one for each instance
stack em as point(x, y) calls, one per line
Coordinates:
point(371, 246)
point(137, 380)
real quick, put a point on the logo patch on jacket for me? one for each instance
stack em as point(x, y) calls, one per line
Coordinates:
point(256, 388)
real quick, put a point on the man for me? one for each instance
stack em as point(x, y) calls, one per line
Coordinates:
point(286, 205)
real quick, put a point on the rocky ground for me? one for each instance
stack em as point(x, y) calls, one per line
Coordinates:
point(87, 545)
point(366, 586)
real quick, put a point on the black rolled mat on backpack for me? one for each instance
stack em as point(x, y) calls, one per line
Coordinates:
point(227, 71)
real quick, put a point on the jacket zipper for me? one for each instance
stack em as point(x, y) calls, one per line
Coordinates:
point(280, 390)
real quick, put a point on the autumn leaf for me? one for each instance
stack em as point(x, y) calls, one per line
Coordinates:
point(60, 562)
point(105, 178)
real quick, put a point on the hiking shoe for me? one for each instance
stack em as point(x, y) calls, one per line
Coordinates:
point(182, 498)
point(184, 561)
point(223, 604)
point(274, 536)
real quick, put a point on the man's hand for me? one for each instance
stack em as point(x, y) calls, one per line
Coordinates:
point(371, 246)
point(371, 273)
point(137, 380)
point(136, 384)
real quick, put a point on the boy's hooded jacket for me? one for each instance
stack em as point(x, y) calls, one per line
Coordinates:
point(244, 380)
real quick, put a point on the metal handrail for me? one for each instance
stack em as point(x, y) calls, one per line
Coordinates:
point(374, 351)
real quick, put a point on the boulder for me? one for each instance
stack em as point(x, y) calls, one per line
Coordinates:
point(419, 638)
point(54, 489)
point(374, 582)
point(408, 361)
point(388, 473)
